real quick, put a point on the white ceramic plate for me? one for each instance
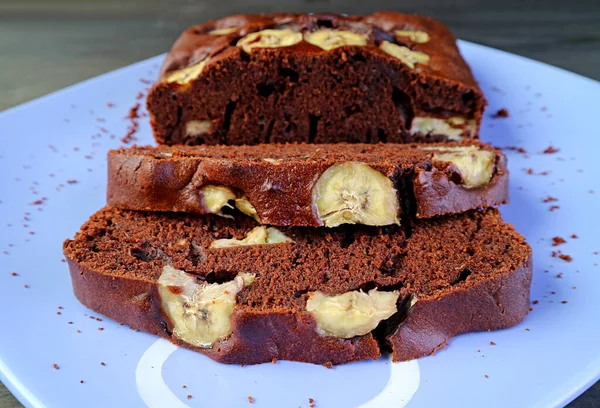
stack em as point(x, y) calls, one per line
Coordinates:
point(544, 362)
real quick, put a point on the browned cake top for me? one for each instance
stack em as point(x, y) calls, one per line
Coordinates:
point(217, 39)
point(436, 256)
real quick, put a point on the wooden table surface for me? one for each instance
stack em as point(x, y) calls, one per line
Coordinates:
point(47, 45)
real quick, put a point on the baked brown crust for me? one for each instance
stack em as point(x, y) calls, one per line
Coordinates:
point(467, 272)
point(303, 93)
point(280, 187)
point(497, 303)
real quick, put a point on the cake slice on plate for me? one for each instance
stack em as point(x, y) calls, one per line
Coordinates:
point(309, 184)
point(244, 293)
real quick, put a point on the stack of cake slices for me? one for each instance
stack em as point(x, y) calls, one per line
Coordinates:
point(319, 194)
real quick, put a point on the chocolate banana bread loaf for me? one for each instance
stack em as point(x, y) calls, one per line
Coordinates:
point(322, 78)
point(242, 293)
point(309, 184)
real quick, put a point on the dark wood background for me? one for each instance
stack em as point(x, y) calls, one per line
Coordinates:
point(47, 45)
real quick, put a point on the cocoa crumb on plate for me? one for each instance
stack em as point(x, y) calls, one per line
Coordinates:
point(502, 113)
point(564, 257)
point(550, 150)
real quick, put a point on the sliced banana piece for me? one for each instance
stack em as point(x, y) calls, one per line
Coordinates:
point(476, 166)
point(197, 127)
point(414, 35)
point(258, 236)
point(354, 193)
point(200, 312)
point(352, 313)
point(223, 31)
point(245, 206)
point(328, 39)
point(216, 198)
point(409, 57)
point(186, 75)
point(455, 128)
point(269, 39)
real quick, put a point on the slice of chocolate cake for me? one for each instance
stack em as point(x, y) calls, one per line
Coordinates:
point(242, 293)
point(315, 78)
point(308, 184)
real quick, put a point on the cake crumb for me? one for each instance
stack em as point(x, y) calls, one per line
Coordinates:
point(72, 181)
point(553, 208)
point(14, 274)
point(565, 257)
point(26, 286)
point(328, 364)
point(189, 396)
point(556, 241)
point(81, 381)
point(574, 236)
point(564, 302)
point(502, 113)
point(535, 302)
point(250, 399)
point(55, 366)
point(100, 328)
point(486, 376)
point(550, 150)
point(550, 199)
point(102, 363)
point(559, 276)
point(133, 112)
point(492, 343)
